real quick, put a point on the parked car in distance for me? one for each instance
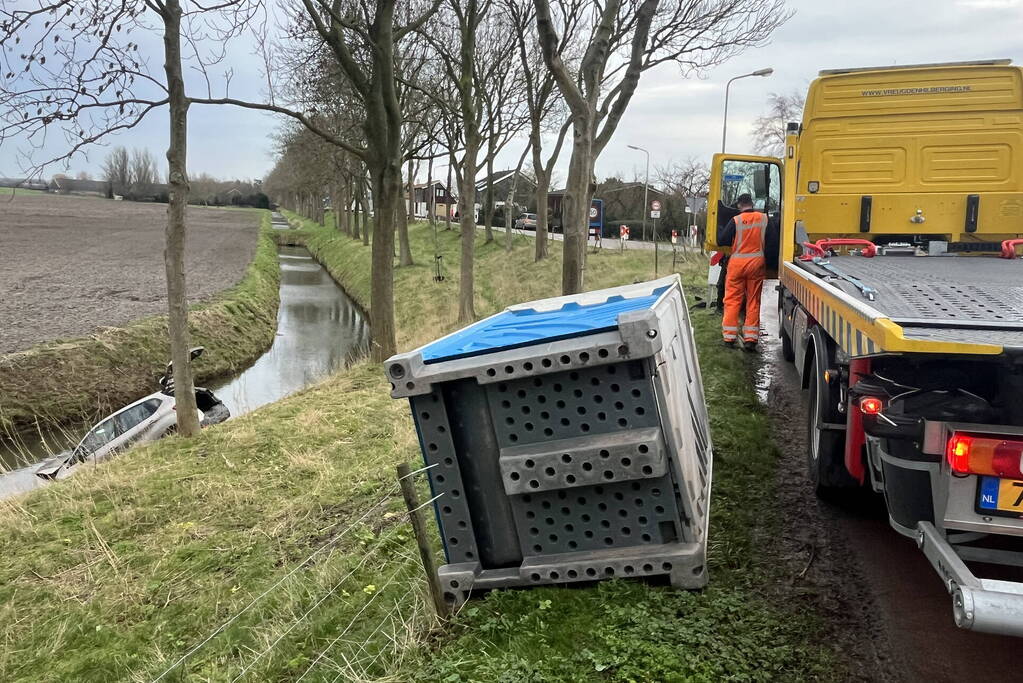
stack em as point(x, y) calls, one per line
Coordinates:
point(526, 221)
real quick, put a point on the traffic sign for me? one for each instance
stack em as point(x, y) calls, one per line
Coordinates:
point(623, 232)
point(655, 205)
point(655, 213)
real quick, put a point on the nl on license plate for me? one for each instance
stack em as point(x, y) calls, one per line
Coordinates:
point(1000, 496)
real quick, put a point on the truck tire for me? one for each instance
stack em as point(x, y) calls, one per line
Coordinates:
point(825, 447)
point(788, 352)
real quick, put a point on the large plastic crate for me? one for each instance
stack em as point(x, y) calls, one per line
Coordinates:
point(567, 439)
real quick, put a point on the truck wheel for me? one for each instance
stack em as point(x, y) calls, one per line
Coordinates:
point(788, 352)
point(825, 447)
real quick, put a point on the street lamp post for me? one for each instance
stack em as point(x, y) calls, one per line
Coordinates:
point(724, 125)
point(646, 204)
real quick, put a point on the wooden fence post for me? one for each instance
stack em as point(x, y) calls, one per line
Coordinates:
point(408, 492)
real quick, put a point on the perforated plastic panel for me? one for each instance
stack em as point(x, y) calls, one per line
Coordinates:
point(570, 460)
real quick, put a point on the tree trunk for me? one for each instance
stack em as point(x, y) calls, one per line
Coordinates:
point(343, 209)
point(407, 214)
point(576, 207)
point(365, 214)
point(509, 204)
point(488, 207)
point(451, 163)
point(509, 215)
point(174, 253)
point(387, 203)
point(357, 211)
point(335, 201)
point(412, 170)
point(542, 186)
point(466, 207)
point(431, 199)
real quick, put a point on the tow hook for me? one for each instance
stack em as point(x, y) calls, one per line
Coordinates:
point(830, 376)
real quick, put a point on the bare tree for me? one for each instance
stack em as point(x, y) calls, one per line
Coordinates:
point(117, 170)
point(362, 40)
point(689, 181)
point(509, 202)
point(502, 88)
point(626, 39)
point(543, 101)
point(769, 130)
point(455, 43)
point(80, 70)
point(143, 173)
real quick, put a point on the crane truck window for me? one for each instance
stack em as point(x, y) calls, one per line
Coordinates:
point(759, 180)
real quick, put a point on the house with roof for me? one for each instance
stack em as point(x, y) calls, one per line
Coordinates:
point(425, 194)
point(525, 191)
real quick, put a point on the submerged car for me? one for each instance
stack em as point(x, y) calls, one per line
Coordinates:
point(148, 419)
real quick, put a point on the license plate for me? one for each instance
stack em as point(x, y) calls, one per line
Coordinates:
point(1000, 496)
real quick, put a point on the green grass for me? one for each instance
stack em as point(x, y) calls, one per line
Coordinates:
point(115, 573)
point(79, 379)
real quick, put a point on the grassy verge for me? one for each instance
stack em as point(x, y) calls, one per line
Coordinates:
point(117, 572)
point(78, 379)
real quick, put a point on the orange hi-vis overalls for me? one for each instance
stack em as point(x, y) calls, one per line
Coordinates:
point(745, 279)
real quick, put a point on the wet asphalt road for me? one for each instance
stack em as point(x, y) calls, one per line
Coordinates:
point(897, 612)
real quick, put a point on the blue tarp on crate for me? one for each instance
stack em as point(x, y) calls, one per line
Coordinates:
point(523, 327)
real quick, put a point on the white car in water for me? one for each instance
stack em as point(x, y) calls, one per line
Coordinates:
point(148, 419)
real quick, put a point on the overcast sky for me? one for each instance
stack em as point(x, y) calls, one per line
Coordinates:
point(673, 117)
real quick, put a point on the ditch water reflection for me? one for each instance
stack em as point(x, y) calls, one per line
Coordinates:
point(319, 331)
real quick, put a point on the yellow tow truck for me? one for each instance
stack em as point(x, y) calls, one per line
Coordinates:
point(900, 205)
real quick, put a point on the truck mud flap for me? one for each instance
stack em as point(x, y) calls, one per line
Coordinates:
point(985, 605)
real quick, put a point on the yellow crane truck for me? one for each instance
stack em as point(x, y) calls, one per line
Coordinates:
point(900, 208)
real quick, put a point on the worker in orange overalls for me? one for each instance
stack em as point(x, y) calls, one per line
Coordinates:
point(745, 233)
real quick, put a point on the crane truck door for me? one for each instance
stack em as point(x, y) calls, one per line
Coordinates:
point(732, 175)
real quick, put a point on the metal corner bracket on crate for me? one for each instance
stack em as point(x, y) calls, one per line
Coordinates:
point(568, 440)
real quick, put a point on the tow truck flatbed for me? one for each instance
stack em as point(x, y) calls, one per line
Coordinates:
point(927, 304)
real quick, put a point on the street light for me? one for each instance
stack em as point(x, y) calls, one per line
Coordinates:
point(724, 125)
point(646, 205)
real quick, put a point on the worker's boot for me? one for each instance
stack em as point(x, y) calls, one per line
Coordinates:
point(728, 344)
point(749, 346)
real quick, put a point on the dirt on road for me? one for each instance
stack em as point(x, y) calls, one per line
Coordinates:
point(69, 265)
point(883, 602)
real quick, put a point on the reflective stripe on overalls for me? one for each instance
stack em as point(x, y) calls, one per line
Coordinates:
point(750, 228)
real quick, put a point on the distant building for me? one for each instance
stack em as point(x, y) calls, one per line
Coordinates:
point(441, 196)
point(525, 190)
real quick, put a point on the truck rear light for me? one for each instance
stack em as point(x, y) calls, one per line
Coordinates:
point(871, 405)
point(989, 455)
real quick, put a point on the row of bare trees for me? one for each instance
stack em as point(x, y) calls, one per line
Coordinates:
point(131, 174)
point(373, 87)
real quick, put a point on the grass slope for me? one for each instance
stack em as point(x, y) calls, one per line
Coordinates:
point(79, 379)
point(117, 572)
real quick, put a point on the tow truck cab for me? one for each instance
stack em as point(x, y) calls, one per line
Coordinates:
point(901, 304)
